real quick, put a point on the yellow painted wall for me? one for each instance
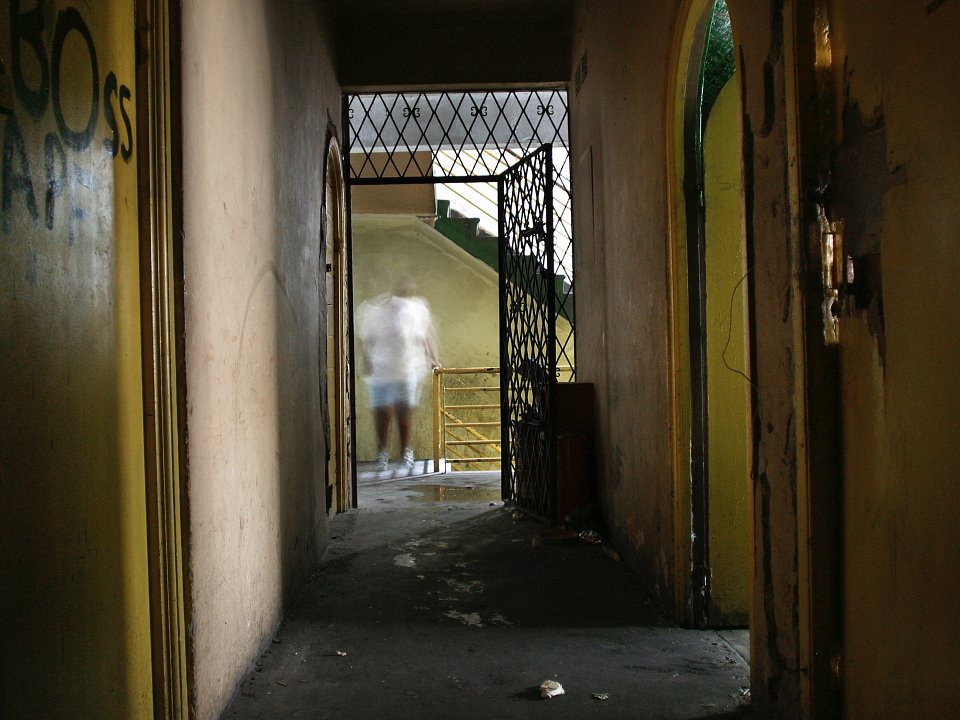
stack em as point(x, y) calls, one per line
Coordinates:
point(74, 563)
point(258, 96)
point(894, 67)
point(728, 391)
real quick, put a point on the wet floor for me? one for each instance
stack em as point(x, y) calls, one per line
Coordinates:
point(439, 493)
point(433, 602)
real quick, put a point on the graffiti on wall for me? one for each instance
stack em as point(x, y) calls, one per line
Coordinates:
point(52, 73)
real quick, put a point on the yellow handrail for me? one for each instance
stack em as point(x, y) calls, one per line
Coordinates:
point(450, 418)
point(462, 427)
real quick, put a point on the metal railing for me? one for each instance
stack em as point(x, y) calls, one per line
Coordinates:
point(466, 417)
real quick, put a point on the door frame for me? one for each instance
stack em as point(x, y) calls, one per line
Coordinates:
point(821, 491)
point(688, 377)
point(364, 116)
point(337, 390)
point(797, 470)
point(161, 302)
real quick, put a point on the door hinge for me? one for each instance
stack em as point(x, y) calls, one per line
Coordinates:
point(833, 264)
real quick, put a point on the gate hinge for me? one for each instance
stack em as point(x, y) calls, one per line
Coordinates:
point(833, 265)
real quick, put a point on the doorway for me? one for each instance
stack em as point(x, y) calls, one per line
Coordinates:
point(339, 427)
point(405, 142)
point(712, 337)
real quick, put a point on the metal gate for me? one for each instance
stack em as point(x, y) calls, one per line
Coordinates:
point(528, 334)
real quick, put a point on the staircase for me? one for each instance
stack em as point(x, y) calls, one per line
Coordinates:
point(467, 234)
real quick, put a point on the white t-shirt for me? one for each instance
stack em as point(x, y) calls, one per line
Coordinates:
point(394, 331)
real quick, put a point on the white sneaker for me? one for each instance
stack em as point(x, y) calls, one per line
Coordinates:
point(383, 459)
point(407, 462)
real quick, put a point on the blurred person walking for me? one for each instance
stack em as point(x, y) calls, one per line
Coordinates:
point(397, 342)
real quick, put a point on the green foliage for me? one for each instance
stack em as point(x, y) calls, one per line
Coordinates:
point(718, 61)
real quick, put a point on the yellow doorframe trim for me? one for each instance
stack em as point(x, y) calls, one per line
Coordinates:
point(160, 287)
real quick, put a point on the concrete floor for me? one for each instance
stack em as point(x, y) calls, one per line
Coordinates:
point(433, 602)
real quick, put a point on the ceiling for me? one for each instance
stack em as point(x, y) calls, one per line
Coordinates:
point(452, 43)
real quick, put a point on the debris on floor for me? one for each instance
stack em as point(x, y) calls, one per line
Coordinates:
point(591, 536)
point(550, 688)
point(600, 696)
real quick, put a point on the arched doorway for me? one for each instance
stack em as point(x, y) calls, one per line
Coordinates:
point(712, 393)
point(514, 141)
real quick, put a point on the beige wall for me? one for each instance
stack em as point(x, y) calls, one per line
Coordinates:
point(73, 567)
point(463, 298)
point(400, 199)
point(258, 93)
point(621, 263)
point(894, 72)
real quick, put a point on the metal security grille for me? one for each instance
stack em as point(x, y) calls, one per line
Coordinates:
point(528, 342)
point(461, 137)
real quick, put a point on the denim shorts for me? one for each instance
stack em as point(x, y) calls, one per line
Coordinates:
point(394, 392)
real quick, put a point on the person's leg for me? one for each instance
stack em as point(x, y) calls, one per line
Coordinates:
point(404, 424)
point(382, 418)
point(382, 404)
point(407, 399)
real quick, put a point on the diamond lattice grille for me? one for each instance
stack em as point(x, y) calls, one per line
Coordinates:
point(464, 136)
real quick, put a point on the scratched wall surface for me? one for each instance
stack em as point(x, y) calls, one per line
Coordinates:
point(771, 236)
point(73, 568)
point(896, 187)
point(258, 92)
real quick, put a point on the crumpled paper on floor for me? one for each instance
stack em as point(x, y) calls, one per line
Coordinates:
point(550, 688)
